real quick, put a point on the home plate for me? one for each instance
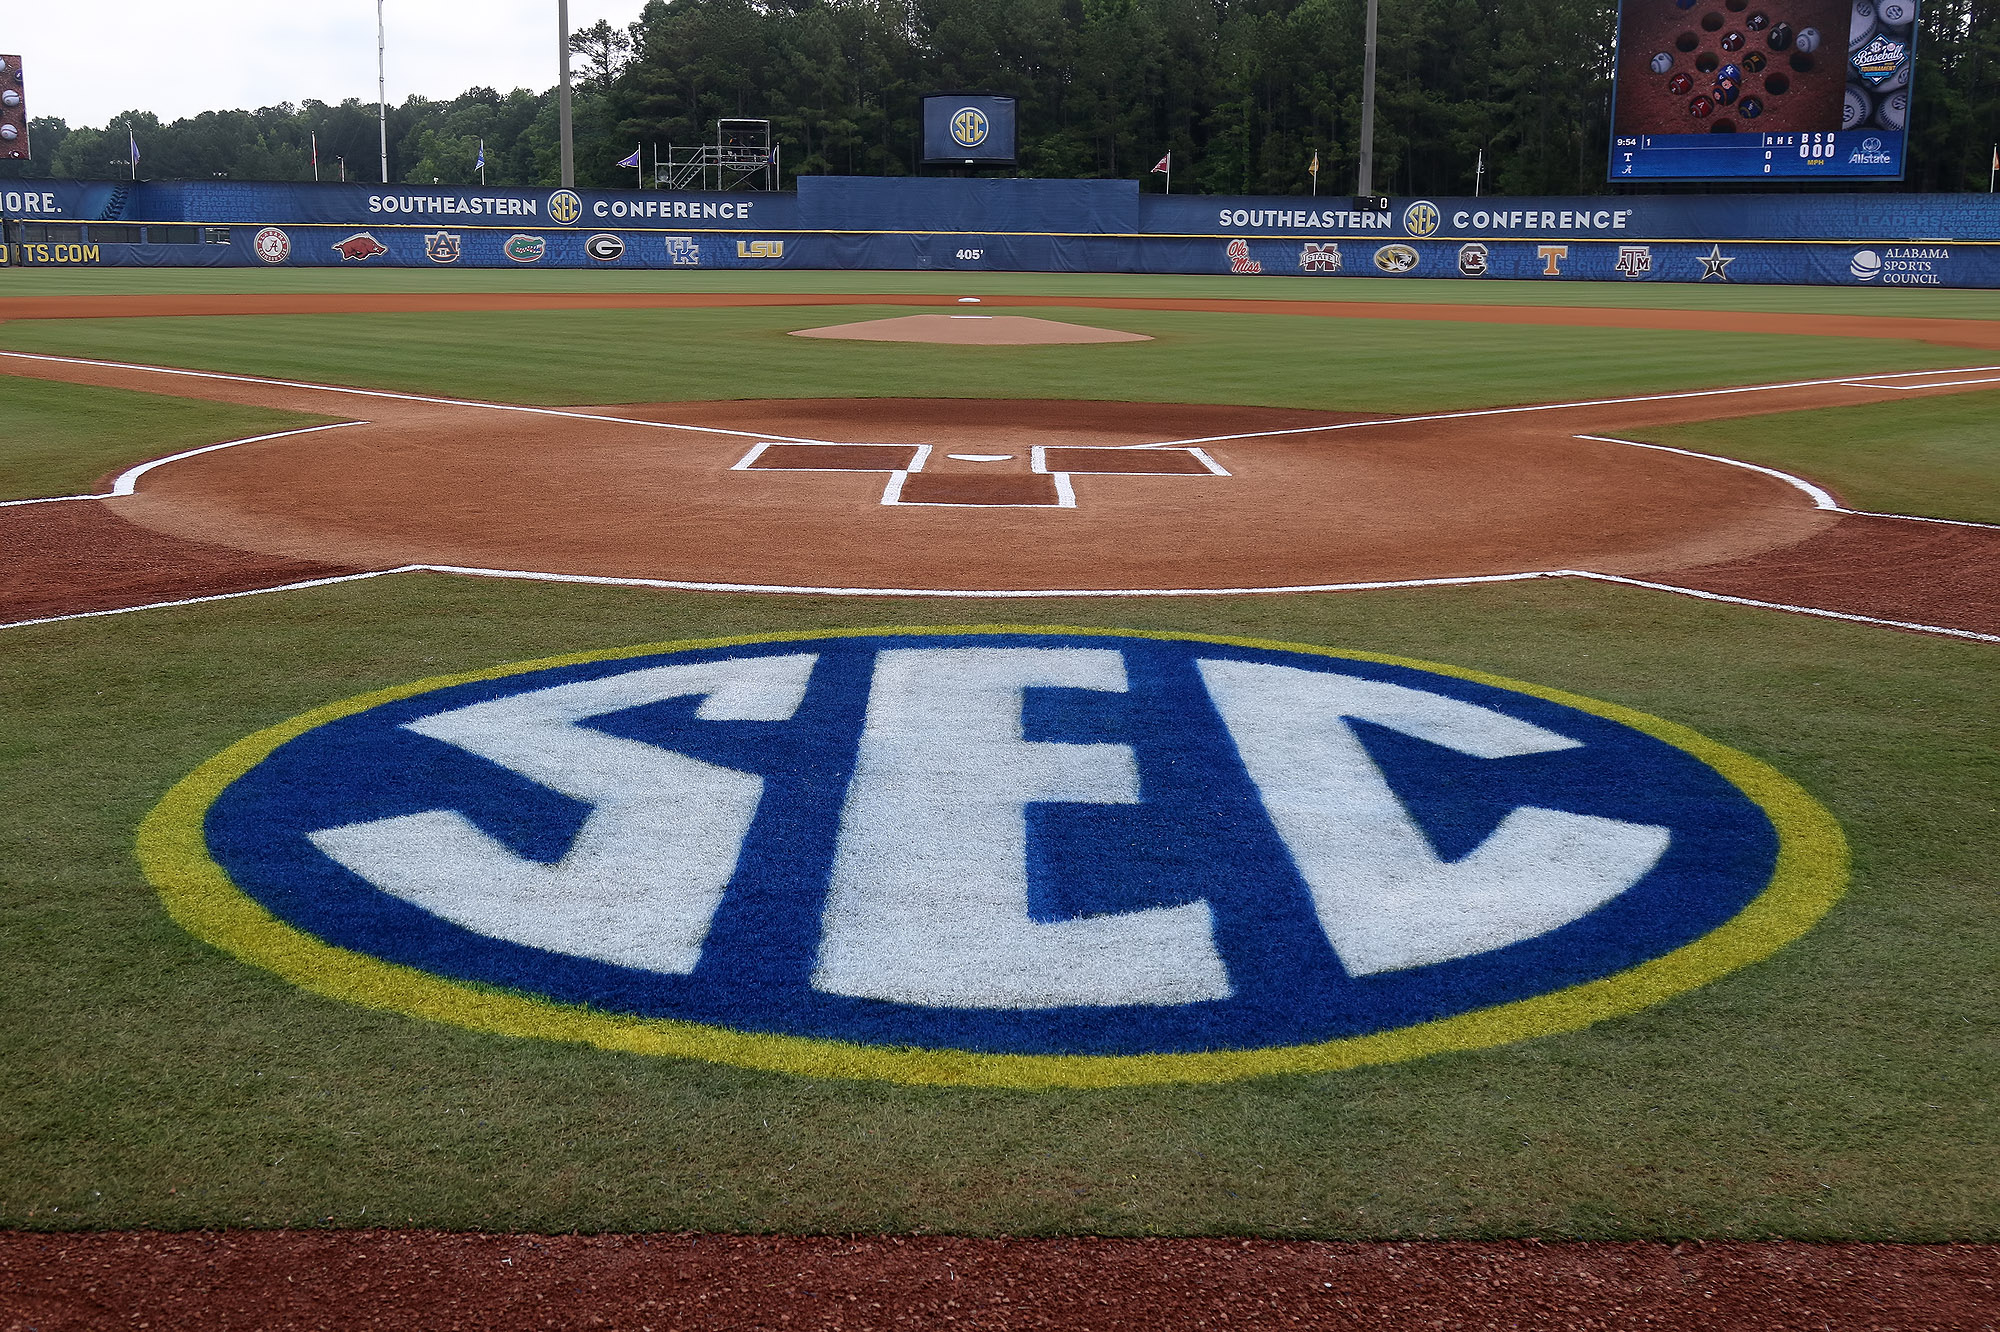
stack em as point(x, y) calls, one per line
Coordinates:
point(987, 331)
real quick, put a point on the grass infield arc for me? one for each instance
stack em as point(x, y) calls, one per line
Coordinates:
point(1810, 876)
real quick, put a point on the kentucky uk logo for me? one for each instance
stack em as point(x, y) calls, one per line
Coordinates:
point(1002, 856)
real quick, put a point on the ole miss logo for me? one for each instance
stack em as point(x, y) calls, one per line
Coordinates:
point(994, 855)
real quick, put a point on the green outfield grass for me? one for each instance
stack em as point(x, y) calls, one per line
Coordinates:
point(618, 356)
point(1939, 303)
point(1840, 1089)
point(1938, 457)
point(62, 439)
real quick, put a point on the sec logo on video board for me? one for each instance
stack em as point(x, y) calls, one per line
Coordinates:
point(999, 856)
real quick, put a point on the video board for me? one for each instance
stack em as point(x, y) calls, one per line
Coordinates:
point(1762, 89)
point(968, 129)
point(13, 109)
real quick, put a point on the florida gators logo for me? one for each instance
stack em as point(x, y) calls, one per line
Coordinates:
point(524, 249)
point(1003, 856)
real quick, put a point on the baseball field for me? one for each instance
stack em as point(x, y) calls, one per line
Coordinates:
point(276, 964)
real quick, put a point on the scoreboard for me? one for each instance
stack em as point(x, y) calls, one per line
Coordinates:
point(13, 109)
point(1761, 89)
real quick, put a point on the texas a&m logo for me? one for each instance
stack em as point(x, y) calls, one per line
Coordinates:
point(994, 855)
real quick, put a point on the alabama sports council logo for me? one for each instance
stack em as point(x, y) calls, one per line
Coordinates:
point(969, 127)
point(1318, 257)
point(443, 247)
point(524, 249)
point(1422, 218)
point(565, 207)
point(271, 246)
point(994, 855)
point(1866, 265)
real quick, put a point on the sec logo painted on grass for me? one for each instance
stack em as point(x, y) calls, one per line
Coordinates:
point(1007, 856)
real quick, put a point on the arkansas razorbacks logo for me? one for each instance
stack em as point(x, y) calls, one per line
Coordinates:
point(359, 247)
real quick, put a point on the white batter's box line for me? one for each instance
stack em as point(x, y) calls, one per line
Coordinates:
point(1845, 382)
point(748, 462)
point(399, 397)
point(1038, 461)
point(892, 493)
point(213, 596)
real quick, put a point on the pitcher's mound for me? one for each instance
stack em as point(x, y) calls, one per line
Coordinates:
point(972, 330)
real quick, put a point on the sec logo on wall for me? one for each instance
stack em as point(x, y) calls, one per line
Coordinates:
point(998, 856)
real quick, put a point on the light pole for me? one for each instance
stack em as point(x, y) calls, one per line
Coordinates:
point(562, 97)
point(382, 85)
point(1366, 187)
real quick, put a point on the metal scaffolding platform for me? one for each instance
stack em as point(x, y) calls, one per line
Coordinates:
point(741, 158)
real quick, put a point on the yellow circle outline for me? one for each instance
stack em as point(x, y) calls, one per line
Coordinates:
point(1810, 876)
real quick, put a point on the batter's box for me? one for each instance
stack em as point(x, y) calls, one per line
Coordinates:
point(1045, 485)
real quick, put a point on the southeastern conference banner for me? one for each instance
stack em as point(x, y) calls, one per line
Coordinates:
point(1762, 89)
point(967, 129)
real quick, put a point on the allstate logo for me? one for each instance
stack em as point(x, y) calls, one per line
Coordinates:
point(1422, 218)
point(565, 207)
point(968, 127)
point(1871, 144)
point(1866, 265)
point(1071, 857)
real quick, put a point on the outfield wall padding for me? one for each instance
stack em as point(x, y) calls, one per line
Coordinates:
point(1018, 225)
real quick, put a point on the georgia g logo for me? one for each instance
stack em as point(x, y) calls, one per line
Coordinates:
point(997, 856)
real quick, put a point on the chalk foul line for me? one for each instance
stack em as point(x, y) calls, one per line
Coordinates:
point(677, 585)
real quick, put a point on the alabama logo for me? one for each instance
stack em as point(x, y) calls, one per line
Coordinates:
point(271, 246)
point(1032, 858)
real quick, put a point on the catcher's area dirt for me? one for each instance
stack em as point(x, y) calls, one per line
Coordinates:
point(971, 330)
point(472, 485)
point(280, 1280)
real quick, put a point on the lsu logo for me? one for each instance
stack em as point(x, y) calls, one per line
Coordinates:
point(969, 127)
point(760, 249)
point(1634, 260)
point(523, 249)
point(994, 856)
point(565, 207)
point(1238, 254)
point(442, 247)
point(1422, 218)
point(1316, 257)
point(683, 251)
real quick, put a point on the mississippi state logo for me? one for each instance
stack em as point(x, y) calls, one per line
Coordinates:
point(443, 247)
point(524, 249)
point(997, 856)
point(271, 246)
point(1422, 218)
point(565, 207)
point(968, 127)
point(1319, 257)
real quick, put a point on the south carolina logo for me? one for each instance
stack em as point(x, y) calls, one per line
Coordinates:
point(994, 856)
point(968, 127)
point(565, 207)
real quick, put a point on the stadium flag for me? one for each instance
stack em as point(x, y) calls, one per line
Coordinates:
point(1314, 169)
point(638, 169)
point(1996, 168)
point(481, 163)
point(631, 161)
point(1166, 165)
point(315, 154)
point(133, 140)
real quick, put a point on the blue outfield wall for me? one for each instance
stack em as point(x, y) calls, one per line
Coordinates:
point(979, 225)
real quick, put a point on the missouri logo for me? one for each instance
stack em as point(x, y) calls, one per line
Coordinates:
point(1396, 258)
point(997, 856)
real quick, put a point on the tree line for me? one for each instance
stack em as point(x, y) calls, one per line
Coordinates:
point(1243, 93)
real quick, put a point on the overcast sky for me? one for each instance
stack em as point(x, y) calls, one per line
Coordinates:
point(87, 61)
